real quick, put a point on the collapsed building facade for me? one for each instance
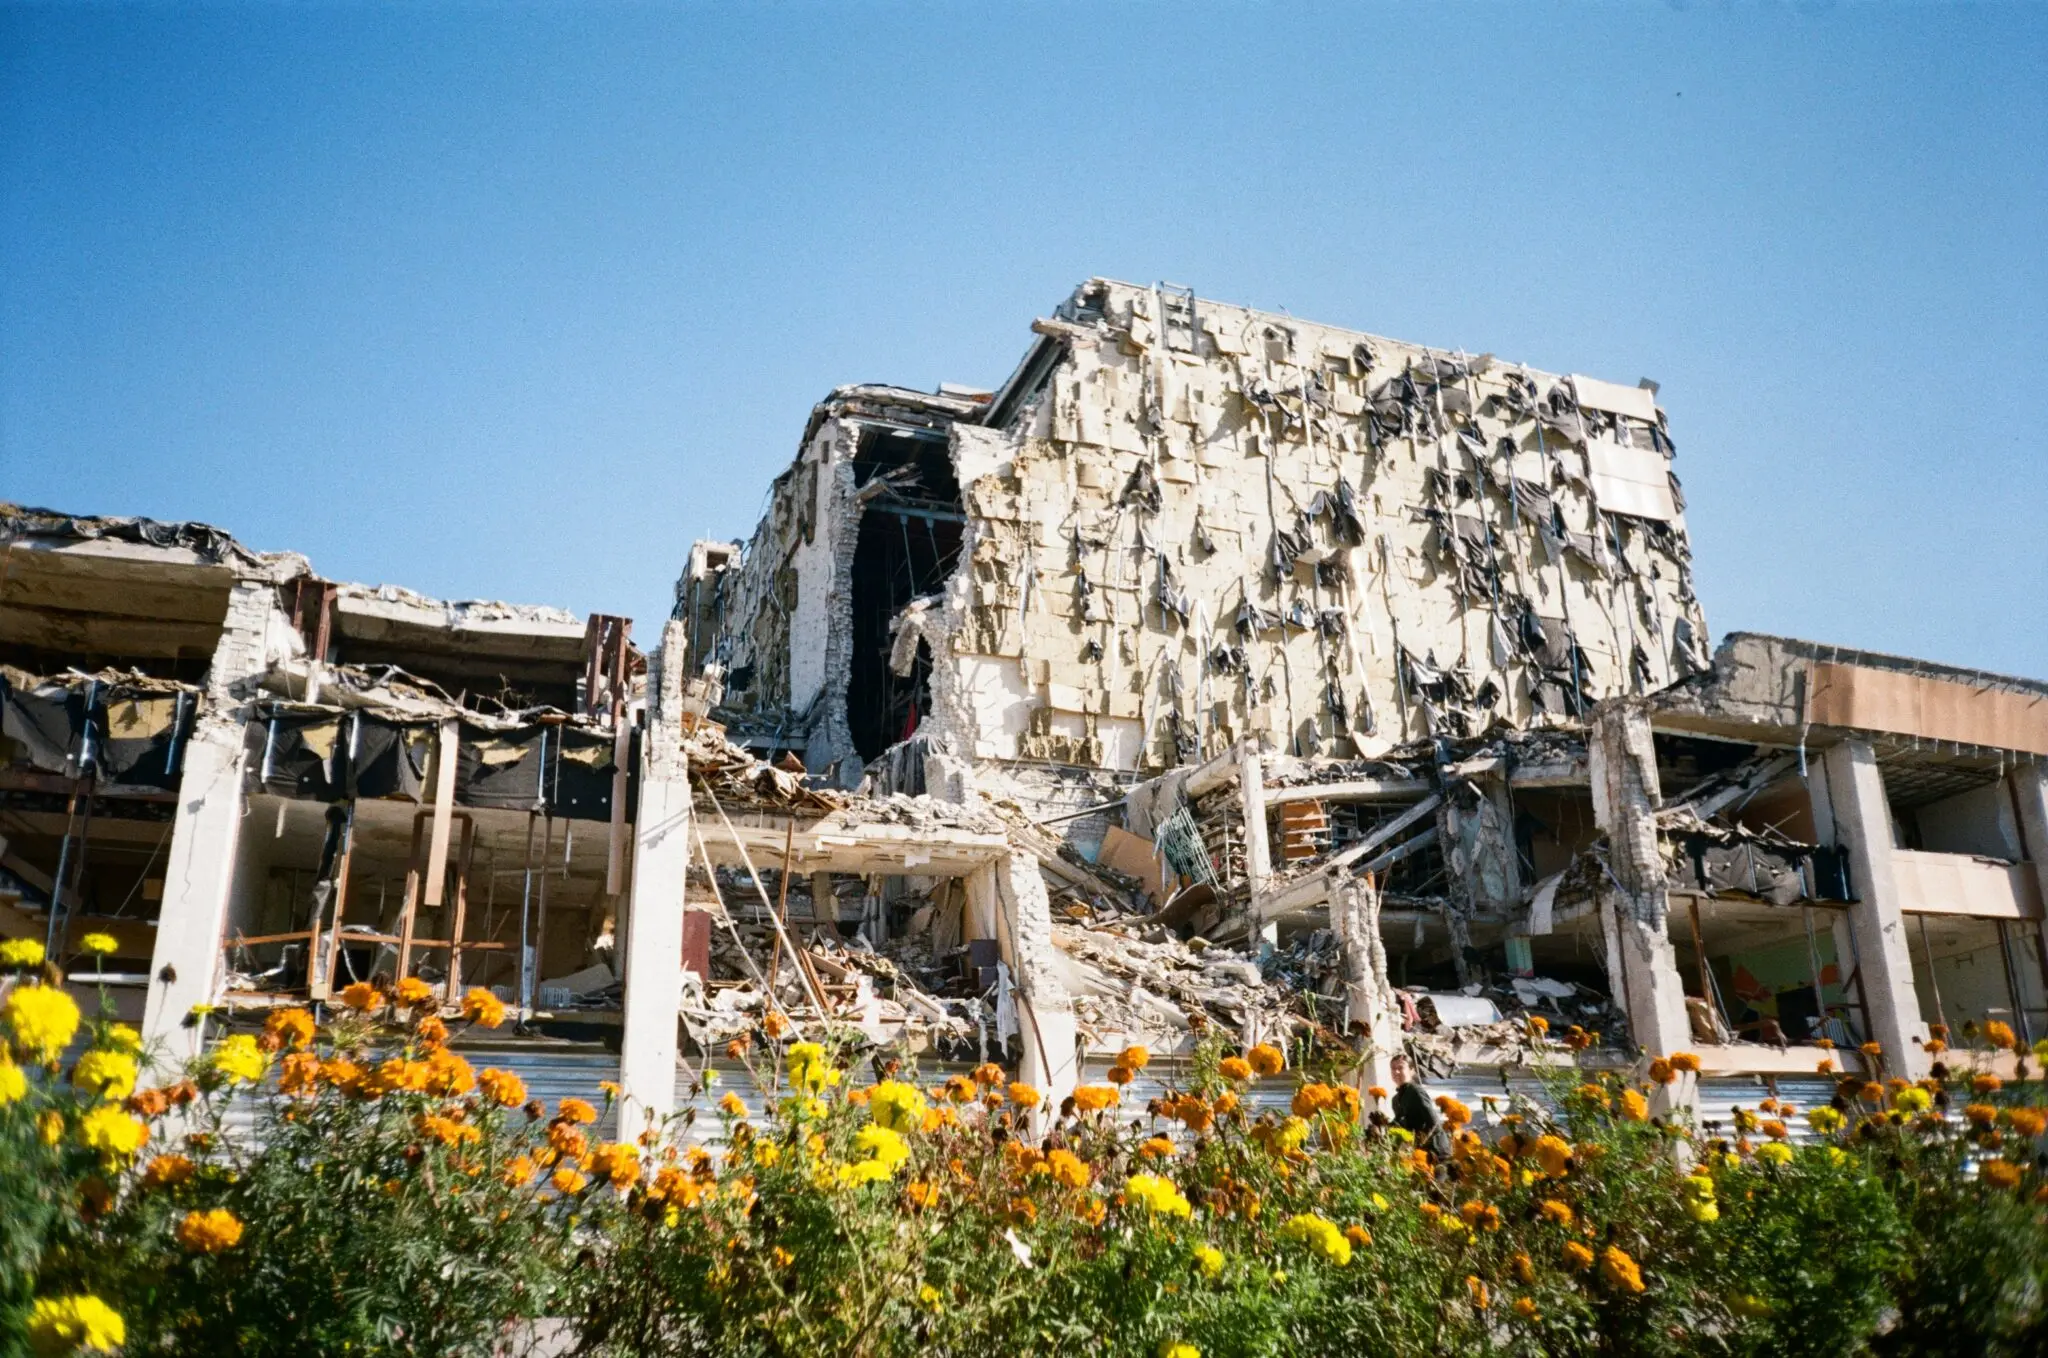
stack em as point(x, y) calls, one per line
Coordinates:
point(1217, 669)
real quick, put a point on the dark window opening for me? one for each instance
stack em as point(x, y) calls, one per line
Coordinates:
point(909, 541)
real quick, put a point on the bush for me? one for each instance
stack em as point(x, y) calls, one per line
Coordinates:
point(391, 1200)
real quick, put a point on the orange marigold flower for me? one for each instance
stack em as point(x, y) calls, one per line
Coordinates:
point(567, 1140)
point(2000, 1173)
point(1455, 1113)
point(1619, 1270)
point(1526, 1309)
point(449, 1075)
point(292, 1027)
point(575, 1110)
point(1775, 1130)
point(1121, 1075)
point(1986, 1084)
point(1661, 1071)
point(2000, 1034)
point(361, 996)
point(1266, 1059)
point(567, 1181)
point(774, 1024)
point(1358, 1235)
point(1234, 1068)
point(1092, 1210)
point(1539, 1026)
point(732, 1105)
point(988, 1075)
point(1982, 1114)
point(618, 1163)
point(1156, 1147)
point(1689, 1062)
point(168, 1171)
point(299, 1073)
point(1312, 1099)
point(1634, 1107)
point(1378, 1091)
point(1226, 1104)
point(209, 1232)
point(1577, 1257)
point(413, 992)
point(447, 1130)
point(1524, 1267)
point(1577, 1038)
point(430, 1031)
point(1134, 1057)
point(2028, 1122)
point(1094, 1098)
point(1068, 1169)
point(518, 1171)
point(1872, 1049)
point(957, 1089)
point(1023, 1095)
point(483, 1008)
point(502, 1087)
point(1593, 1094)
point(1480, 1216)
point(1554, 1211)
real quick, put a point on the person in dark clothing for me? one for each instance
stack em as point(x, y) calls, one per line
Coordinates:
point(1415, 1113)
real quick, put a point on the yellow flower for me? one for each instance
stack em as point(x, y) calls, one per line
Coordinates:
point(1552, 1210)
point(209, 1232)
point(1634, 1107)
point(808, 1069)
point(1266, 1060)
point(567, 1181)
point(1824, 1119)
point(1178, 1348)
point(1554, 1153)
point(928, 1296)
point(1577, 1257)
point(110, 1075)
point(413, 992)
point(732, 1105)
point(1023, 1095)
point(240, 1059)
point(1320, 1235)
point(1158, 1195)
point(77, 1324)
point(1912, 1099)
point(1208, 1260)
point(883, 1147)
point(895, 1105)
point(42, 1019)
point(1777, 1152)
point(21, 952)
point(112, 1132)
point(13, 1084)
point(99, 945)
point(1619, 1270)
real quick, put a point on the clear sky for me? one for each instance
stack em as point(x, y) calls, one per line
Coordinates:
point(515, 302)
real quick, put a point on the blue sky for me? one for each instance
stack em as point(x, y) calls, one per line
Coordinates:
point(515, 302)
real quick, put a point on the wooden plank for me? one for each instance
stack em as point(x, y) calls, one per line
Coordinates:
point(412, 891)
point(444, 807)
point(320, 961)
point(1356, 790)
point(455, 943)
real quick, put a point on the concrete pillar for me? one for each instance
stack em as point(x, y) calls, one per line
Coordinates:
point(1369, 1014)
point(1023, 920)
point(2028, 785)
point(1862, 821)
point(1258, 847)
point(652, 969)
point(206, 830)
point(1635, 906)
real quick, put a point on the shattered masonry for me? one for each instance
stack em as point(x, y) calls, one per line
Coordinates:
point(1219, 669)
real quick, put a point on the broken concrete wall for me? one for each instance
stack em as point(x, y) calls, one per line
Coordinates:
point(1214, 522)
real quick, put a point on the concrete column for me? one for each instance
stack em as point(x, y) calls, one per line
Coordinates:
point(1635, 907)
point(2029, 787)
point(652, 969)
point(1044, 1013)
point(1863, 828)
point(1369, 1013)
point(206, 831)
point(1258, 847)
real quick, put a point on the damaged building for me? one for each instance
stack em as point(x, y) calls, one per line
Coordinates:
point(1219, 669)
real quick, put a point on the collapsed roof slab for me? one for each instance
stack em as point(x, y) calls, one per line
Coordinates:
point(758, 839)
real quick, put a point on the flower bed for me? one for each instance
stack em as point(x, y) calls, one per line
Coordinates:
point(398, 1200)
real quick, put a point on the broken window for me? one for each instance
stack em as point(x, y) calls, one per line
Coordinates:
point(905, 549)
